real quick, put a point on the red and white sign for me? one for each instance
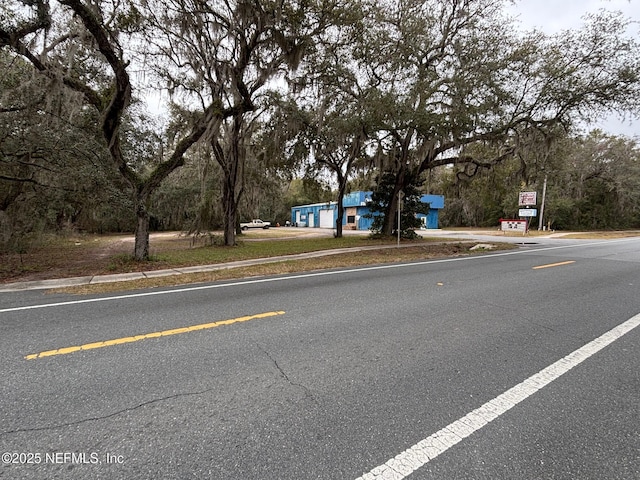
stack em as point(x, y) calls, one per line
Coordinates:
point(526, 199)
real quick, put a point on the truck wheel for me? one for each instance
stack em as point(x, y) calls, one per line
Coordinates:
point(244, 228)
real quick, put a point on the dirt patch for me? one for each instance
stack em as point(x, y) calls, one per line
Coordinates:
point(63, 257)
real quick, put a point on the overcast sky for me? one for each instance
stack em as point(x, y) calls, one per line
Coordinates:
point(552, 16)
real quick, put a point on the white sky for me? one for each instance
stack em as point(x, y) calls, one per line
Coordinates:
point(552, 16)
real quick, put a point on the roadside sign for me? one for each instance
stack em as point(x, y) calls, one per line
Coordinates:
point(513, 225)
point(526, 199)
point(528, 212)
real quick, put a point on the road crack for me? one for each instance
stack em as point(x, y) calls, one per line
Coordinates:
point(105, 417)
point(284, 375)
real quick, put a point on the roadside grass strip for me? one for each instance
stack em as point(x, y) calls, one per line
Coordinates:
point(147, 336)
point(417, 456)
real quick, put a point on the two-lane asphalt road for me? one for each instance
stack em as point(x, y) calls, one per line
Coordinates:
point(520, 364)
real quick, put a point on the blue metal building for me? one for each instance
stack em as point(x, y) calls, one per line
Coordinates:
point(319, 215)
point(436, 203)
point(324, 215)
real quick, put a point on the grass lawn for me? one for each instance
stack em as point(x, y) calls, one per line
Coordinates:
point(88, 255)
point(424, 251)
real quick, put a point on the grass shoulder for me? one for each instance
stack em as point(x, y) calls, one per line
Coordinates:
point(380, 253)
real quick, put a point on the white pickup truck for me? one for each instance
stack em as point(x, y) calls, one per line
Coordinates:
point(257, 223)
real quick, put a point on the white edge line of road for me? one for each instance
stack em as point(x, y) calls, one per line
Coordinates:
point(296, 277)
point(417, 456)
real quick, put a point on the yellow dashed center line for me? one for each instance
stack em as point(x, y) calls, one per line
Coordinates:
point(146, 336)
point(554, 265)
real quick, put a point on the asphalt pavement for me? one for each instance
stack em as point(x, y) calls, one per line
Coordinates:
point(512, 365)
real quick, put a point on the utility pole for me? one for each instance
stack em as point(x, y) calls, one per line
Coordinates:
point(544, 195)
point(400, 197)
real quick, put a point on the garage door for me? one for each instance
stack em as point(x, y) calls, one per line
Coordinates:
point(326, 218)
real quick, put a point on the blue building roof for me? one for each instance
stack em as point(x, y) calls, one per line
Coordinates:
point(360, 199)
point(434, 201)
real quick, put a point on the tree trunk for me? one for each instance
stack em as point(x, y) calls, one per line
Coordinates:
point(390, 215)
point(141, 245)
point(340, 216)
point(342, 187)
point(230, 212)
point(402, 178)
point(231, 159)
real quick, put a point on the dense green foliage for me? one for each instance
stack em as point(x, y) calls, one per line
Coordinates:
point(593, 182)
point(266, 105)
point(410, 207)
